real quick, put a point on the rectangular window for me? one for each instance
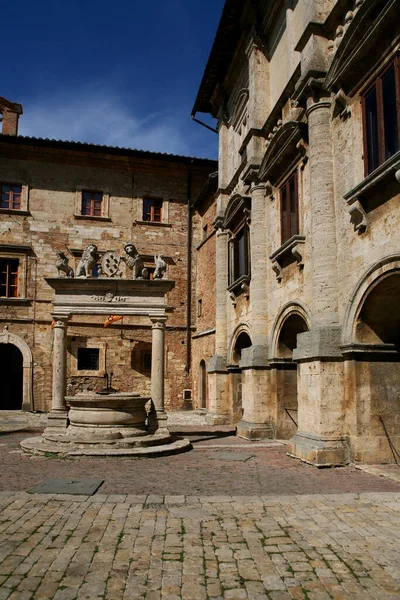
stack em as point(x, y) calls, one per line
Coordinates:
point(199, 307)
point(92, 203)
point(9, 278)
point(289, 208)
point(11, 196)
point(381, 113)
point(240, 255)
point(152, 208)
point(88, 359)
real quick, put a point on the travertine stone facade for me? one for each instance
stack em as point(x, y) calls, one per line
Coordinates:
point(53, 177)
point(307, 98)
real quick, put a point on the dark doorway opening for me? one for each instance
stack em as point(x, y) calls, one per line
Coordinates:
point(11, 377)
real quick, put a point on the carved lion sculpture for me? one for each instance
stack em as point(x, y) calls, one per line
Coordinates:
point(63, 266)
point(134, 261)
point(88, 261)
point(161, 267)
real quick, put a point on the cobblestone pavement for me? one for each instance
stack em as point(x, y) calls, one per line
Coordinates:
point(227, 520)
point(115, 547)
point(207, 469)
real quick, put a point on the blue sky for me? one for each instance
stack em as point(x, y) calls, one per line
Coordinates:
point(122, 73)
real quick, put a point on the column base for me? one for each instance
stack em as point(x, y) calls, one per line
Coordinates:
point(157, 422)
point(57, 423)
point(214, 419)
point(255, 431)
point(319, 451)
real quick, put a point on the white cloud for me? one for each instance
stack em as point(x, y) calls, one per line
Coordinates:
point(102, 119)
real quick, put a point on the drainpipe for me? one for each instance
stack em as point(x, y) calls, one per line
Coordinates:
point(189, 270)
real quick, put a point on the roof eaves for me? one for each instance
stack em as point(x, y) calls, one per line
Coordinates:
point(98, 148)
point(225, 42)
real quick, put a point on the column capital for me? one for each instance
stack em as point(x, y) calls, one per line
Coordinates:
point(59, 321)
point(261, 186)
point(158, 322)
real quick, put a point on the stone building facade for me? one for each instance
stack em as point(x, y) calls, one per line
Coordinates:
point(59, 197)
point(307, 329)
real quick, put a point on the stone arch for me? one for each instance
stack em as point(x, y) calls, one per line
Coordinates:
point(290, 309)
point(293, 319)
point(240, 336)
point(27, 365)
point(371, 346)
point(382, 269)
point(240, 339)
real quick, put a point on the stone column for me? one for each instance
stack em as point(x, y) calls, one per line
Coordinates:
point(259, 266)
point(320, 373)
point(57, 417)
point(323, 222)
point(157, 374)
point(59, 363)
point(218, 408)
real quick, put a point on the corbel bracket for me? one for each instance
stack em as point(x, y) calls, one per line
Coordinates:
point(277, 269)
point(358, 216)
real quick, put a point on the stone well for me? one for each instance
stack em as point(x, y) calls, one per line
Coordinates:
point(116, 423)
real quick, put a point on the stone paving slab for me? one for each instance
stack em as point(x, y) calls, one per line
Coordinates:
point(50, 485)
point(239, 456)
point(311, 547)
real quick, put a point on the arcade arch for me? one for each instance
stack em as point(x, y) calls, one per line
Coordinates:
point(293, 320)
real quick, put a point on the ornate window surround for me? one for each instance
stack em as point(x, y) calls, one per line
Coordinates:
point(237, 219)
point(287, 149)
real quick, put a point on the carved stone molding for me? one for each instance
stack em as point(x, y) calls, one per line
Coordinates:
point(358, 39)
point(357, 197)
point(291, 249)
point(358, 216)
point(286, 146)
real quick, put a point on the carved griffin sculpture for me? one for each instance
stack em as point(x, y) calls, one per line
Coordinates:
point(161, 267)
point(63, 266)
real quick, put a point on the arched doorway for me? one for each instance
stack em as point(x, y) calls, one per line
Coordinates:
point(284, 375)
point(11, 379)
point(202, 385)
point(9, 345)
point(241, 342)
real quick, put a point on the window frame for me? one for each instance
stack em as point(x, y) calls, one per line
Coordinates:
point(105, 204)
point(24, 197)
point(11, 195)
point(377, 84)
point(9, 275)
point(286, 228)
point(89, 344)
point(92, 203)
point(152, 201)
